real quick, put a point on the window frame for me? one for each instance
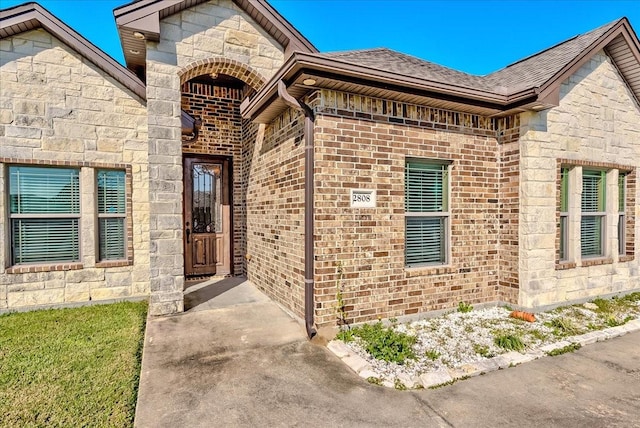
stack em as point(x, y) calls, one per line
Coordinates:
point(121, 215)
point(622, 219)
point(564, 214)
point(77, 216)
point(444, 215)
point(600, 215)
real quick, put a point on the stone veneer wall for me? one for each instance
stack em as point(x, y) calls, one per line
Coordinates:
point(221, 134)
point(217, 28)
point(275, 209)
point(57, 108)
point(596, 125)
point(363, 143)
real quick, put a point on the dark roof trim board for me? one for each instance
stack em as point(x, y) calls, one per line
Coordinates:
point(621, 29)
point(31, 16)
point(529, 84)
point(143, 16)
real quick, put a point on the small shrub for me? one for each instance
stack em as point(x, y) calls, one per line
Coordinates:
point(464, 307)
point(383, 343)
point(509, 342)
point(565, 349)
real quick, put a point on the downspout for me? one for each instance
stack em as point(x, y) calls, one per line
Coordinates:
point(309, 120)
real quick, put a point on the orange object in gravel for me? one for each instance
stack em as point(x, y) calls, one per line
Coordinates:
point(527, 316)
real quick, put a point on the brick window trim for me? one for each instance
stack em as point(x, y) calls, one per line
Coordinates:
point(44, 268)
point(412, 272)
point(129, 213)
point(630, 171)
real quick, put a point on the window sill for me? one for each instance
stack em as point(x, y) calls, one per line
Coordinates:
point(565, 265)
point(596, 262)
point(628, 258)
point(411, 272)
point(44, 268)
point(113, 263)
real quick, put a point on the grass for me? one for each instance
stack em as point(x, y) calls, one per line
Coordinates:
point(71, 367)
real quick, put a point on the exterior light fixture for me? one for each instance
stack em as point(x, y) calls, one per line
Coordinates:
point(309, 82)
point(138, 35)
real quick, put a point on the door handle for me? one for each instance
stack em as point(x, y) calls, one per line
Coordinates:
point(188, 232)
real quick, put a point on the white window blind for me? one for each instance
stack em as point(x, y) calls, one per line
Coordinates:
point(593, 213)
point(112, 208)
point(44, 210)
point(426, 213)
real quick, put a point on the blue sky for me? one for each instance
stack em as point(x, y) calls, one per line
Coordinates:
point(473, 36)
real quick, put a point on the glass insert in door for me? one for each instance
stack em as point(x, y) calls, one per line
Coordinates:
point(207, 198)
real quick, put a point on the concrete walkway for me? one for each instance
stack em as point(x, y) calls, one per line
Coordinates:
point(236, 359)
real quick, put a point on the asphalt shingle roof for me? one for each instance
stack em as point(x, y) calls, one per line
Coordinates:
point(530, 72)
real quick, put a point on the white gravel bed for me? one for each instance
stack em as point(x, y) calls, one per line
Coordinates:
point(457, 339)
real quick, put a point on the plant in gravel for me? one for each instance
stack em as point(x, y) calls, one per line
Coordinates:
point(603, 305)
point(563, 326)
point(464, 307)
point(432, 354)
point(565, 349)
point(340, 305)
point(397, 384)
point(538, 334)
point(383, 343)
point(374, 380)
point(510, 342)
point(482, 350)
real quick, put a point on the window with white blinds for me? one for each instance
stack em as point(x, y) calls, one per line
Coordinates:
point(112, 208)
point(593, 213)
point(426, 213)
point(564, 213)
point(44, 210)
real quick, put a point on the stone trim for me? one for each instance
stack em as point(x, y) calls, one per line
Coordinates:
point(129, 212)
point(335, 103)
point(227, 66)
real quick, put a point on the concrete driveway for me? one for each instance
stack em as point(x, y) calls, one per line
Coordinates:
point(236, 359)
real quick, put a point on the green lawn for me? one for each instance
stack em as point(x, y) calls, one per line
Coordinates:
point(71, 367)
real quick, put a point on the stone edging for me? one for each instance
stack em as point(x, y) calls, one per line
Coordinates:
point(445, 376)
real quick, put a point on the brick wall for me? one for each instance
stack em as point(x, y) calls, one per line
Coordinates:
point(275, 209)
point(595, 126)
point(354, 151)
point(58, 109)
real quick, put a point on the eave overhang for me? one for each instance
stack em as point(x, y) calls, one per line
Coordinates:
point(347, 77)
point(619, 42)
point(31, 16)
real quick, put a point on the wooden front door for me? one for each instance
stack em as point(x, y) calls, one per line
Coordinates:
point(207, 216)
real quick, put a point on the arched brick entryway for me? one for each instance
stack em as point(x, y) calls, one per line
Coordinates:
point(225, 66)
point(212, 91)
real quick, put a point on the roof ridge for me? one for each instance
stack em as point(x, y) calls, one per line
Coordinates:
point(521, 60)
